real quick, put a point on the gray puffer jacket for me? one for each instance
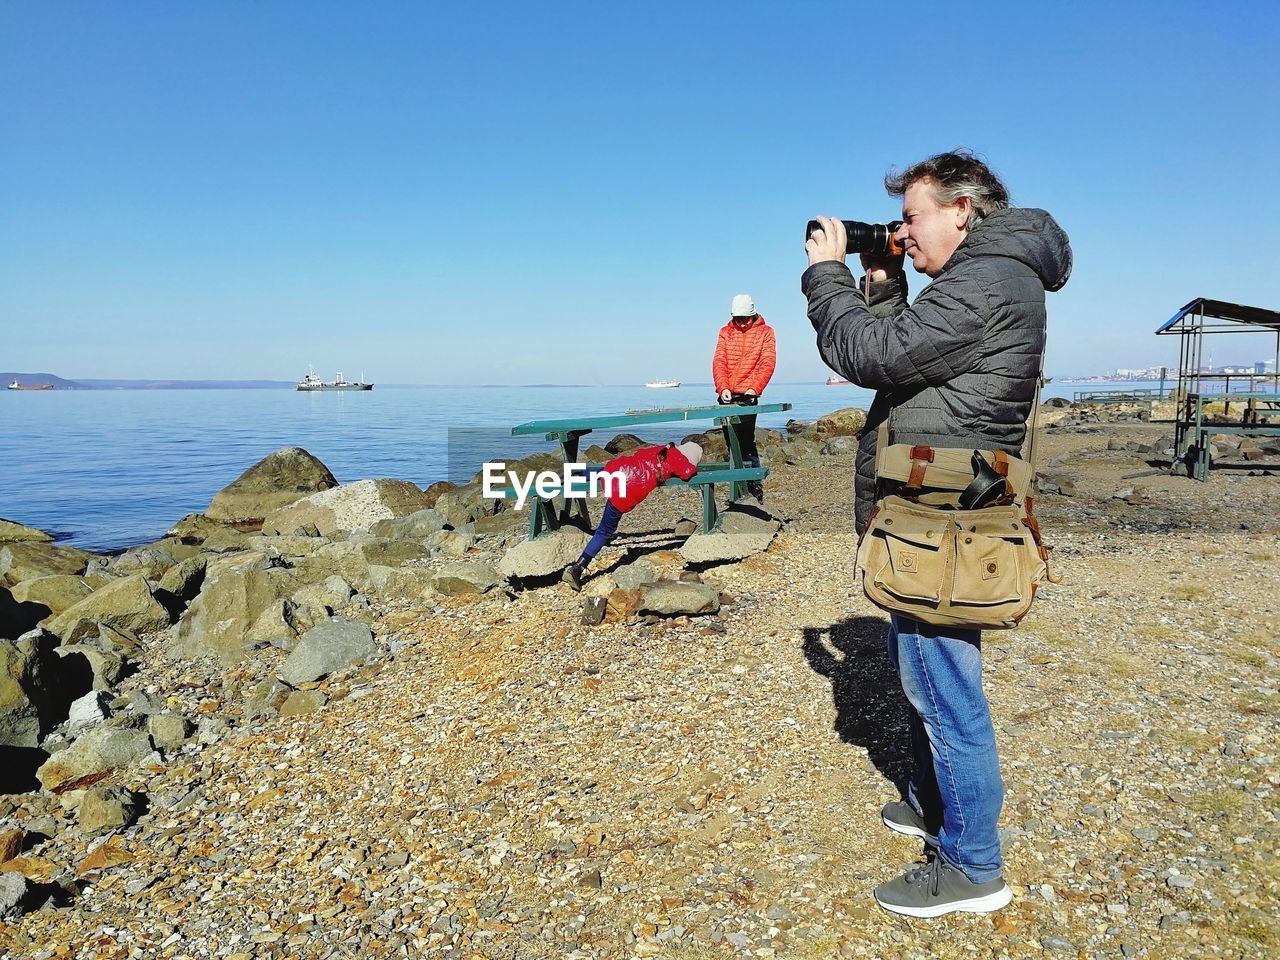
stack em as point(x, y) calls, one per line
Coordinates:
point(958, 367)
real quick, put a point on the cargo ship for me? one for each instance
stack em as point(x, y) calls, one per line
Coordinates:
point(30, 386)
point(311, 383)
point(662, 384)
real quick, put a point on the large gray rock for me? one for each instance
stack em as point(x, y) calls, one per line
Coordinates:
point(623, 442)
point(194, 528)
point(317, 602)
point(154, 559)
point(677, 598)
point(127, 604)
point(88, 711)
point(237, 590)
point(413, 583)
point(547, 555)
point(101, 750)
point(28, 705)
point(460, 578)
point(107, 666)
point(275, 481)
point(169, 731)
point(328, 647)
point(840, 446)
point(634, 575)
point(416, 526)
point(738, 534)
point(350, 507)
point(846, 422)
point(15, 895)
point(56, 593)
point(11, 532)
point(183, 581)
point(266, 699)
point(26, 561)
point(105, 808)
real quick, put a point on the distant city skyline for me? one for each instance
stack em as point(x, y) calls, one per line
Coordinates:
point(521, 194)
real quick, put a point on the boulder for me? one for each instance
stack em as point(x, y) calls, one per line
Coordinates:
point(56, 593)
point(452, 543)
point(169, 731)
point(840, 446)
point(635, 574)
point(846, 422)
point(237, 590)
point(799, 428)
point(275, 626)
point(350, 507)
point(317, 602)
point(302, 701)
point(460, 578)
point(27, 561)
point(416, 526)
point(431, 492)
point(1056, 403)
point(739, 533)
point(273, 482)
point(678, 598)
point(685, 527)
point(595, 454)
point(183, 580)
point(266, 699)
point(88, 711)
point(621, 605)
point(16, 895)
point(105, 808)
point(127, 604)
point(545, 556)
point(499, 524)
point(152, 561)
point(326, 648)
point(16, 617)
point(101, 750)
point(593, 611)
point(623, 443)
point(412, 583)
point(712, 442)
point(226, 540)
point(11, 532)
point(107, 667)
point(194, 528)
point(28, 705)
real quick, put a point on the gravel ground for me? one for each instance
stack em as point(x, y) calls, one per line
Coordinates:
point(506, 783)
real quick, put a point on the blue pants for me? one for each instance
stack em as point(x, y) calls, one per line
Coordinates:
point(605, 533)
point(956, 777)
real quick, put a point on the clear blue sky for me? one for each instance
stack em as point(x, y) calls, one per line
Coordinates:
point(573, 192)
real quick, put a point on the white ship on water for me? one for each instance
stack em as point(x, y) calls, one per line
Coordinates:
point(662, 384)
point(311, 383)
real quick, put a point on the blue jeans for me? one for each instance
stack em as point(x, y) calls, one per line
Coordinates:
point(605, 533)
point(956, 778)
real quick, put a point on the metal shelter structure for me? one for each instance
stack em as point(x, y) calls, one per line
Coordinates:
point(1261, 396)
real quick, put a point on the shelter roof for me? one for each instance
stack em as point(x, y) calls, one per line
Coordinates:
point(1222, 310)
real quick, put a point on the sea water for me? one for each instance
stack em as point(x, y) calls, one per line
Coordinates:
point(109, 469)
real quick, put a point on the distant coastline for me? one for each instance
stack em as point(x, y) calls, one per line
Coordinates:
point(61, 383)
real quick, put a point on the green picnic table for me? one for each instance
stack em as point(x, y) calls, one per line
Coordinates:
point(545, 516)
point(1195, 428)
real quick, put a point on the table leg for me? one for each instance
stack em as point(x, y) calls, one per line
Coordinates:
point(736, 489)
point(570, 506)
point(708, 507)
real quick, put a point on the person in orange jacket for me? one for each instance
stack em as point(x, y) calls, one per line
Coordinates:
point(746, 353)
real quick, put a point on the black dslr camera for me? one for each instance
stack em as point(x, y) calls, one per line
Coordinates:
point(872, 238)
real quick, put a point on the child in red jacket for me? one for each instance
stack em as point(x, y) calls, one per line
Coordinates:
point(746, 352)
point(645, 470)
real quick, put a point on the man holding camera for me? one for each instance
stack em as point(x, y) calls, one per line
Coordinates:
point(958, 368)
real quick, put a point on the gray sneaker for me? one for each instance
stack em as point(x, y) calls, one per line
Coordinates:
point(937, 888)
point(901, 817)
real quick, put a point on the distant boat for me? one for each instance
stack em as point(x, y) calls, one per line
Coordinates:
point(663, 384)
point(311, 383)
point(30, 386)
point(838, 382)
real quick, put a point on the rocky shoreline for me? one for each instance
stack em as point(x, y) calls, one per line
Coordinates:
point(327, 719)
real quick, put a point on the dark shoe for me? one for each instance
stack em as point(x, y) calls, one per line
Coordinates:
point(756, 489)
point(573, 574)
point(901, 817)
point(937, 888)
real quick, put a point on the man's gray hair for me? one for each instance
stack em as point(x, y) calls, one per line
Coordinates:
point(954, 175)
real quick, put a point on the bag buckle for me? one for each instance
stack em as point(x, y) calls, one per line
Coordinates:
point(921, 457)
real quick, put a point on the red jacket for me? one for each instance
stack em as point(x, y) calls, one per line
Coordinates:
point(744, 358)
point(645, 469)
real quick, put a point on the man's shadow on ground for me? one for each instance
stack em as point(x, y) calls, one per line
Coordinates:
point(871, 711)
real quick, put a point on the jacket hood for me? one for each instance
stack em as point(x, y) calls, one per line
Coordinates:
point(1025, 234)
point(760, 322)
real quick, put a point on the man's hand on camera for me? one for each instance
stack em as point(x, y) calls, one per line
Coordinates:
point(828, 243)
point(748, 393)
point(881, 268)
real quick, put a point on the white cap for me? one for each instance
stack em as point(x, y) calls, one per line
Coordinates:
point(692, 452)
point(742, 306)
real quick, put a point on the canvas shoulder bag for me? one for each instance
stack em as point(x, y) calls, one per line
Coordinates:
point(953, 540)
